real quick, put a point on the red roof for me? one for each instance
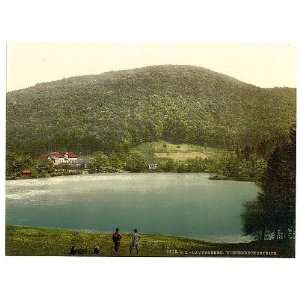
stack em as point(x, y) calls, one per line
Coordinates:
point(72, 154)
point(56, 154)
point(26, 172)
point(62, 154)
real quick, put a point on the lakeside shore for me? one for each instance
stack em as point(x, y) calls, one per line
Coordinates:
point(212, 176)
point(35, 241)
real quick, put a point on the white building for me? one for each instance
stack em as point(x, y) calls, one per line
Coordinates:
point(152, 166)
point(63, 158)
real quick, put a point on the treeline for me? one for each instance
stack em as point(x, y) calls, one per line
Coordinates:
point(272, 215)
point(227, 164)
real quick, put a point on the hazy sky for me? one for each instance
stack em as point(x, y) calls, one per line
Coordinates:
point(265, 65)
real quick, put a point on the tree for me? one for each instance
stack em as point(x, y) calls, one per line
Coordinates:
point(44, 167)
point(273, 213)
point(168, 165)
point(99, 162)
point(255, 219)
point(16, 162)
point(136, 162)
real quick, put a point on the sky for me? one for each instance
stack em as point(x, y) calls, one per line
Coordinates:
point(264, 65)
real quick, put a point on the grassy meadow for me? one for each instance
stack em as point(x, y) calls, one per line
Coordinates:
point(178, 152)
point(30, 241)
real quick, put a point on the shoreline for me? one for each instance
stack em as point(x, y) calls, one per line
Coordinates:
point(99, 232)
point(43, 241)
point(212, 176)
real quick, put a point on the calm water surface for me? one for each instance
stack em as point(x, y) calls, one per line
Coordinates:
point(177, 204)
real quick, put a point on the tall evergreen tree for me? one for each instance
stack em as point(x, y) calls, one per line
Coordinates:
point(272, 215)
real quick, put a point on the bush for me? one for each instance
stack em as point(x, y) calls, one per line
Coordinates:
point(168, 165)
point(232, 166)
point(99, 163)
point(136, 162)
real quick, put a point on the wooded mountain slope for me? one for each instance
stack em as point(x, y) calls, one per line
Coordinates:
point(180, 104)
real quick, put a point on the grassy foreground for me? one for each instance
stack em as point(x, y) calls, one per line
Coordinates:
point(29, 241)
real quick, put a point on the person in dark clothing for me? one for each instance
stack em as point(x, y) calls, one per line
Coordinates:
point(73, 251)
point(116, 238)
point(97, 250)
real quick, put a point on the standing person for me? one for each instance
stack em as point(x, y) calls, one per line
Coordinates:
point(116, 238)
point(135, 240)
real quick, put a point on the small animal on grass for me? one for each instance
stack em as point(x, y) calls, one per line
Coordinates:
point(77, 251)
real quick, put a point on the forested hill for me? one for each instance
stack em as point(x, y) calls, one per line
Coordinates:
point(179, 104)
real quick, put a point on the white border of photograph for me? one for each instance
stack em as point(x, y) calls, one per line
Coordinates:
point(144, 21)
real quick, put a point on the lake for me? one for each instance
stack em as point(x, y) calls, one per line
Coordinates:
point(187, 205)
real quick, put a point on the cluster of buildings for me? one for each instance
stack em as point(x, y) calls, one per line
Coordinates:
point(70, 158)
point(60, 158)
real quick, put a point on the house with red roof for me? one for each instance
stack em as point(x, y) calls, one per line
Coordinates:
point(63, 157)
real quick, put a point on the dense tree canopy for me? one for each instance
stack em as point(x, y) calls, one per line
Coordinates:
point(272, 215)
point(180, 104)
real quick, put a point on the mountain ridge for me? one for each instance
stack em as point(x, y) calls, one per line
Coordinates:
point(178, 103)
point(112, 72)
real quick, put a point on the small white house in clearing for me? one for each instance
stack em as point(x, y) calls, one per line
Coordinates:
point(63, 157)
point(152, 166)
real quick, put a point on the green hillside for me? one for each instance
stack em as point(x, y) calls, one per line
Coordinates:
point(178, 104)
